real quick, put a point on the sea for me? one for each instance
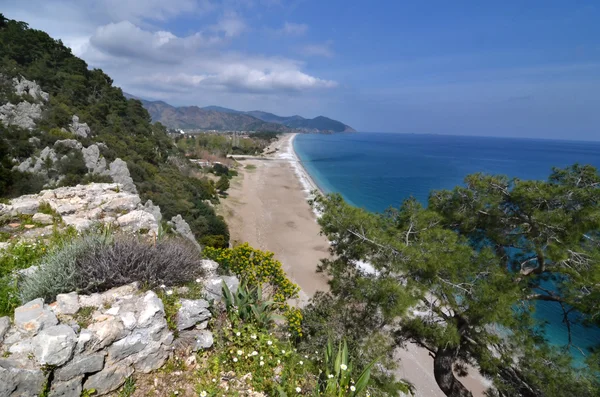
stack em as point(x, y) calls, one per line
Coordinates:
point(376, 171)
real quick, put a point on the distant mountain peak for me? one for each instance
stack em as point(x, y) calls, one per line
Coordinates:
point(224, 119)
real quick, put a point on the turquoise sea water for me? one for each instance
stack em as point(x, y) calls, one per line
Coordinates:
point(376, 171)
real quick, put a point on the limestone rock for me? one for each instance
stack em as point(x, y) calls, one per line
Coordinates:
point(154, 210)
point(79, 129)
point(80, 365)
point(4, 326)
point(109, 379)
point(24, 86)
point(192, 312)
point(210, 267)
point(94, 163)
point(69, 143)
point(44, 219)
point(204, 340)
point(23, 115)
point(21, 382)
point(67, 303)
point(32, 317)
point(54, 345)
point(152, 306)
point(119, 172)
point(69, 388)
point(213, 287)
point(138, 220)
point(106, 329)
point(127, 346)
point(182, 228)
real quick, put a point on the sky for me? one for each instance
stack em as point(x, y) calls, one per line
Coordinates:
point(490, 68)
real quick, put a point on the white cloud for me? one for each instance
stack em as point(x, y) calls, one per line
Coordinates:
point(319, 50)
point(293, 29)
point(230, 25)
point(127, 40)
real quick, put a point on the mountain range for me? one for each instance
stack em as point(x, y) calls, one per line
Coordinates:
point(224, 119)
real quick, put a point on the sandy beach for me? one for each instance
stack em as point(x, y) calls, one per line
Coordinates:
point(267, 207)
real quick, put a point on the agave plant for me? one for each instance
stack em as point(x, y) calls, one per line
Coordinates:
point(336, 379)
point(249, 305)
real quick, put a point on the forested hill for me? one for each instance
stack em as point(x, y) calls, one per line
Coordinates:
point(220, 118)
point(39, 134)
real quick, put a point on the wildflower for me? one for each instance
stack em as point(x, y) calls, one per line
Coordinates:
point(269, 343)
point(255, 353)
point(298, 390)
point(239, 352)
point(235, 359)
point(352, 388)
point(330, 376)
point(344, 367)
point(214, 380)
point(278, 361)
point(176, 392)
point(301, 362)
point(262, 363)
point(283, 352)
point(306, 356)
point(163, 286)
point(170, 292)
point(198, 280)
point(253, 336)
point(203, 393)
point(238, 333)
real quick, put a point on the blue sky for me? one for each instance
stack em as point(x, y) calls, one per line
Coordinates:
point(510, 68)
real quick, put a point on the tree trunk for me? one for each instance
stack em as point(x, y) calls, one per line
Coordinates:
point(444, 376)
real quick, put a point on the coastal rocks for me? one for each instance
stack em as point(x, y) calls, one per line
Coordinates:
point(119, 173)
point(79, 129)
point(23, 115)
point(83, 205)
point(182, 228)
point(126, 331)
point(192, 312)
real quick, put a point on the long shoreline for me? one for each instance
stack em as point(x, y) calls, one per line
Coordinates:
point(303, 175)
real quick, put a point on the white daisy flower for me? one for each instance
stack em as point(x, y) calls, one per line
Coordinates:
point(239, 352)
point(298, 390)
point(170, 292)
point(301, 362)
point(269, 343)
point(203, 393)
point(253, 336)
point(235, 360)
point(344, 367)
point(262, 363)
point(352, 388)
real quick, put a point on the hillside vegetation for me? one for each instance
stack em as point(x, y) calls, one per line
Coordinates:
point(122, 127)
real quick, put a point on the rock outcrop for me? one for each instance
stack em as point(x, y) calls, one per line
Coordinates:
point(181, 227)
point(83, 205)
point(119, 173)
point(24, 114)
point(93, 341)
point(79, 129)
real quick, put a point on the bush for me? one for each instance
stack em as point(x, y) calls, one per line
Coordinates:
point(98, 262)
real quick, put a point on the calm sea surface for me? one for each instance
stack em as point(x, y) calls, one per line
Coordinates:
point(376, 171)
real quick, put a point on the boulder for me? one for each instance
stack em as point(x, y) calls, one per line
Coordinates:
point(94, 163)
point(106, 329)
point(4, 326)
point(182, 228)
point(154, 210)
point(69, 388)
point(69, 143)
point(80, 365)
point(32, 317)
point(119, 172)
point(204, 340)
point(79, 129)
point(67, 303)
point(109, 379)
point(54, 345)
point(127, 346)
point(44, 219)
point(16, 381)
point(138, 220)
point(210, 267)
point(151, 307)
point(24, 205)
point(192, 312)
point(213, 287)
